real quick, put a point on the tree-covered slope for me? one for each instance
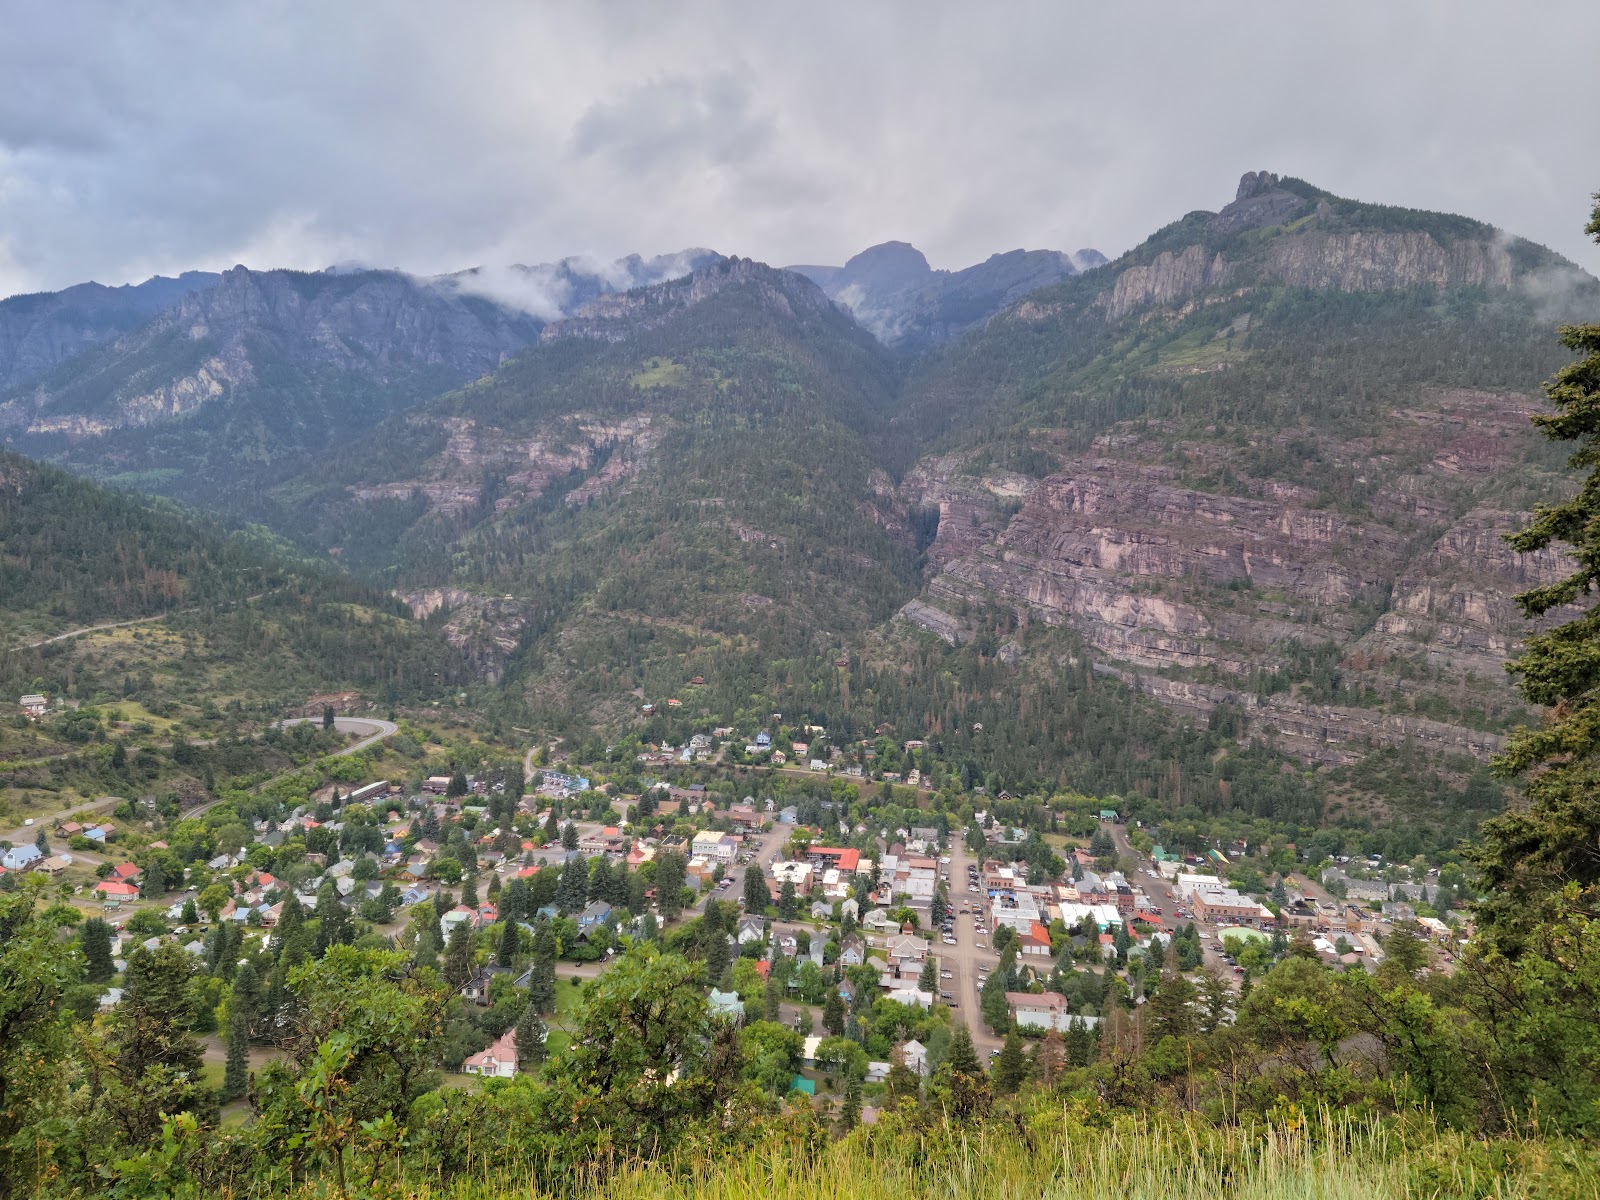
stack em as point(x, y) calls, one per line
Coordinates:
point(74, 555)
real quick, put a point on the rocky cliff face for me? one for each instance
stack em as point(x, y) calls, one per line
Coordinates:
point(255, 331)
point(1385, 623)
point(1380, 261)
point(41, 331)
point(1314, 247)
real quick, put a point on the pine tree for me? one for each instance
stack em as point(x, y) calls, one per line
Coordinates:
point(469, 891)
point(833, 1013)
point(458, 956)
point(154, 884)
point(772, 999)
point(928, 981)
point(235, 1076)
point(293, 942)
point(756, 896)
point(510, 940)
point(963, 1056)
point(850, 1113)
point(670, 875)
point(542, 981)
point(573, 890)
point(95, 939)
point(427, 950)
point(788, 901)
point(530, 1035)
point(190, 915)
point(246, 996)
point(327, 716)
point(569, 836)
point(552, 828)
point(457, 785)
point(1011, 1068)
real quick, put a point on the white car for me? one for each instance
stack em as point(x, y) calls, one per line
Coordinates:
point(29, 821)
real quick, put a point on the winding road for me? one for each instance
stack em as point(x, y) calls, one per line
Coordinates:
point(371, 730)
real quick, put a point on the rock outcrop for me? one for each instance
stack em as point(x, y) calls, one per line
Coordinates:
point(1328, 628)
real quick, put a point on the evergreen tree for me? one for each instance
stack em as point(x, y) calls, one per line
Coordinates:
point(542, 981)
point(190, 915)
point(992, 1001)
point(427, 950)
point(291, 937)
point(833, 1013)
point(327, 716)
point(1011, 1068)
point(850, 1113)
point(154, 884)
point(235, 1075)
point(756, 896)
point(637, 900)
point(514, 905)
point(670, 876)
point(41, 841)
point(928, 981)
point(506, 952)
point(599, 879)
point(458, 956)
point(963, 1056)
point(573, 891)
point(788, 901)
point(1532, 851)
point(569, 836)
point(246, 996)
point(552, 828)
point(95, 939)
point(457, 785)
point(772, 999)
point(469, 891)
point(530, 1035)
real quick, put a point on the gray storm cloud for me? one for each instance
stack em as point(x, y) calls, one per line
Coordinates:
point(161, 137)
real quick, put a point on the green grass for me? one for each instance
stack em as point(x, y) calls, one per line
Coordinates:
point(1050, 1154)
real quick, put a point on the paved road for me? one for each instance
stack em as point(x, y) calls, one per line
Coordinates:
point(375, 729)
point(72, 633)
point(964, 958)
point(1165, 898)
point(766, 846)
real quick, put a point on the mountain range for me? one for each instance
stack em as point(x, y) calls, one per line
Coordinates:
point(1253, 472)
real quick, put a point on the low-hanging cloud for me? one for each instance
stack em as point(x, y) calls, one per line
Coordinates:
point(160, 137)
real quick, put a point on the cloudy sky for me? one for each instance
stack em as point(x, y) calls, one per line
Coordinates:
point(145, 137)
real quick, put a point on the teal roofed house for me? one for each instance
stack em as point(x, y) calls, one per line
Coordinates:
point(1108, 814)
point(802, 1084)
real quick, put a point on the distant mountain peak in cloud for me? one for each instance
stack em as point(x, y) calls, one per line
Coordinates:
point(893, 292)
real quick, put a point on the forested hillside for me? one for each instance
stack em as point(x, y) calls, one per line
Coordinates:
point(1253, 473)
point(241, 611)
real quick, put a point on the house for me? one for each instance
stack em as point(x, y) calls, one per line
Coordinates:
point(34, 705)
point(593, 916)
point(19, 858)
point(853, 953)
point(751, 928)
point(907, 951)
point(915, 1056)
point(436, 785)
point(476, 988)
point(53, 865)
point(726, 1004)
point(110, 889)
point(878, 921)
point(499, 1061)
point(915, 997)
point(1046, 1010)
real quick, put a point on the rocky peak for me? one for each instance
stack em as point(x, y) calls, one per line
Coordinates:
point(1258, 203)
point(887, 266)
point(621, 315)
point(1255, 183)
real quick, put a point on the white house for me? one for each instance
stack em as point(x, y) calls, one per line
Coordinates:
point(499, 1061)
point(20, 857)
point(1047, 1010)
point(34, 705)
point(718, 847)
